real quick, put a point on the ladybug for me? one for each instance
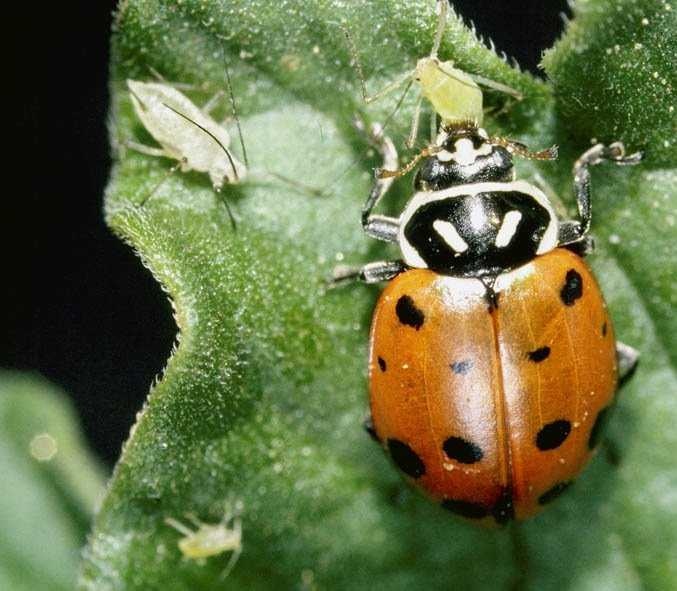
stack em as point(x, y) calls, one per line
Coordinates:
point(492, 358)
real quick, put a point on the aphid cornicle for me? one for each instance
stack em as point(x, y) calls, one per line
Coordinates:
point(492, 358)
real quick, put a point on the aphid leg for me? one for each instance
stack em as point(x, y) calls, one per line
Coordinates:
point(497, 86)
point(144, 149)
point(180, 164)
point(229, 211)
point(413, 132)
point(233, 105)
point(387, 89)
point(628, 359)
point(433, 127)
point(442, 11)
point(234, 555)
point(209, 106)
point(178, 526)
point(194, 520)
point(573, 231)
point(370, 273)
point(178, 85)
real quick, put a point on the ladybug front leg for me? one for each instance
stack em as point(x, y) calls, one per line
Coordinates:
point(628, 359)
point(376, 226)
point(575, 230)
point(370, 273)
point(368, 425)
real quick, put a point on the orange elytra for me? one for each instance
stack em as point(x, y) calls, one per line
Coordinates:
point(493, 362)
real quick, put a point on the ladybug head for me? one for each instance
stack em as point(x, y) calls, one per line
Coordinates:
point(464, 154)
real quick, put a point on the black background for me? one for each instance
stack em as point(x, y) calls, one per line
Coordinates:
point(79, 307)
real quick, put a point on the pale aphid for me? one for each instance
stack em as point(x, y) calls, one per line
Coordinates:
point(209, 539)
point(185, 133)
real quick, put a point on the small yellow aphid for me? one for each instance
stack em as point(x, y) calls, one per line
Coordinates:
point(208, 539)
point(455, 95)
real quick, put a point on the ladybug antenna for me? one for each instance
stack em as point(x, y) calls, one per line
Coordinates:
point(383, 173)
point(519, 149)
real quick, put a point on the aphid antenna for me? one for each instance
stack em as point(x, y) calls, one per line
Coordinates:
point(388, 88)
point(225, 150)
point(409, 76)
point(178, 526)
point(396, 109)
point(497, 86)
point(413, 132)
point(313, 191)
point(233, 105)
point(443, 11)
point(211, 135)
point(373, 138)
point(160, 78)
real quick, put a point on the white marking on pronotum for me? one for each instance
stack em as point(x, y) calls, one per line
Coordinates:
point(411, 256)
point(508, 228)
point(450, 234)
point(466, 153)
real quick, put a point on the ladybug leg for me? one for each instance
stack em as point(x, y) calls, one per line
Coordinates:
point(370, 273)
point(583, 247)
point(628, 359)
point(368, 425)
point(376, 226)
point(575, 230)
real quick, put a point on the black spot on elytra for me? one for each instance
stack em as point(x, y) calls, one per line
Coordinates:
point(552, 435)
point(573, 287)
point(382, 363)
point(405, 458)
point(408, 313)
point(540, 354)
point(369, 428)
point(462, 451)
point(604, 329)
point(465, 508)
point(461, 367)
point(551, 494)
point(503, 511)
point(598, 428)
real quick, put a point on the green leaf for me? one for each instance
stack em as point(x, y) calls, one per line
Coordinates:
point(262, 402)
point(50, 486)
point(614, 75)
